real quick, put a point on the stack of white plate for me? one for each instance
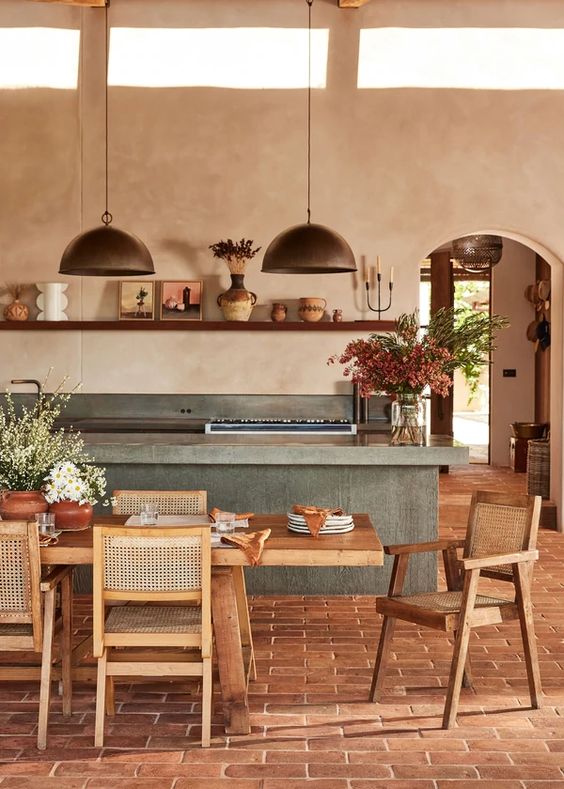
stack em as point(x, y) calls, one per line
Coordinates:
point(335, 524)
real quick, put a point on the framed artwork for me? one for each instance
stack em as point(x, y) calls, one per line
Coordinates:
point(136, 300)
point(181, 300)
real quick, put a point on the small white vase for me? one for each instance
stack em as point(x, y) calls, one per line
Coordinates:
point(52, 301)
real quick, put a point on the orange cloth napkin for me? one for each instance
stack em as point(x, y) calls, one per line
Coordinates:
point(251, 544)
point(315, 517)
point(236, 516)
point(47, 539)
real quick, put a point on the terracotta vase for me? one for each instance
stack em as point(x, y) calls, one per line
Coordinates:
point(279, 312)
point(71, 516)
point(22, 505)
point(16, 311)
point(337, 316)
point(237, 303)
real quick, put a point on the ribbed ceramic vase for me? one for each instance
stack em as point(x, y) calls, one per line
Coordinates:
point(52, 301)
point(237, 303)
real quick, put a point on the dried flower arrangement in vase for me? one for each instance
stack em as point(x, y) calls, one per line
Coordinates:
point(16, 311)
point(236, 303)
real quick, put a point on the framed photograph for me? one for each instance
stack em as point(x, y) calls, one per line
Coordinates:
point(181, 300)
point(136, 300)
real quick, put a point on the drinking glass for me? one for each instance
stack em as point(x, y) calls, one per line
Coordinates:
point(45, 522)
point(225, 527)
point(149, 514)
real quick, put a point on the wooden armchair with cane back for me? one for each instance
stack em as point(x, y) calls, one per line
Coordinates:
point(170, 567)
point(500, 543)
point(28, 612)
point(168, 502)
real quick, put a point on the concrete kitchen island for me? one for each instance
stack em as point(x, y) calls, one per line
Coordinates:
point(396, 486)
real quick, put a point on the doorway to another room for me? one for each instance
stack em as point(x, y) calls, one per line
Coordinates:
point(471, 292)
point(514, 385)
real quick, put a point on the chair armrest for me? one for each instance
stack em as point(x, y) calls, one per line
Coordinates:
point(422, 547)
point(502, 558)
point(55, 577)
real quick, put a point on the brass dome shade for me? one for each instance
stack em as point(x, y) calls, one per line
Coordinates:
point(308, 249)
point(106, 252)
point(477, 253)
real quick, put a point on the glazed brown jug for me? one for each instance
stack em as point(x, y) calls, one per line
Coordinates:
point(237, 303)
point(279, 312)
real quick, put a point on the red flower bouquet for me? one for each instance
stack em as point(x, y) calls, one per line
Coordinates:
point(407, 360)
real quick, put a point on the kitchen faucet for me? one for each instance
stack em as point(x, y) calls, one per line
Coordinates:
point(33, 381)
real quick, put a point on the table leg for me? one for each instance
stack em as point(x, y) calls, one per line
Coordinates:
point(244, 618)
point(232, 674)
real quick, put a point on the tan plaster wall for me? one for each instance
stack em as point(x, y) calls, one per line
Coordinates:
point(513, 399)
point(397, 172)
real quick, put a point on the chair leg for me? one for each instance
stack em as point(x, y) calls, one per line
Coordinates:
point(386, 635)
point(46, 661)
point(522, 575)
point(460, 648)
point(467, 675)
point(66, 643)
point(207, 695)
point(100, 699)
point(110, 697)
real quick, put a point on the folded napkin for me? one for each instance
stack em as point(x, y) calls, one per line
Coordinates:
point(242, 516)
point(47, 539)
point(315, 517)
point(251, 544)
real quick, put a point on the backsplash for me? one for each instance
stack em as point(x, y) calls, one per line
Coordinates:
point(191, 406)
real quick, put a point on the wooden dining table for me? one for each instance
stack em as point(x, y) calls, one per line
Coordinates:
point(232, 632)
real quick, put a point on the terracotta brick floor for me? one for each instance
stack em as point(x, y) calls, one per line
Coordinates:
point(311, 723)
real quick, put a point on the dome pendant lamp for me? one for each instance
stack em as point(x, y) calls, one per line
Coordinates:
point(106, 251)
point(308, 248)
point(477, 253)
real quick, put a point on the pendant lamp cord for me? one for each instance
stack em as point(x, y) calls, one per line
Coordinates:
point(106, 216)
point(309, 3)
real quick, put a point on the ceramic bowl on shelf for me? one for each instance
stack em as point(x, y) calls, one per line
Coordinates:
point(311, 309)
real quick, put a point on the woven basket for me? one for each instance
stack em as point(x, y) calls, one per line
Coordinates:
point(538, 469)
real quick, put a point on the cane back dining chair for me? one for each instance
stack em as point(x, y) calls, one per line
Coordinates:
point(28, 613)
point(188, 502)
point(168, 502)
point(500, 543)
point(152, 565)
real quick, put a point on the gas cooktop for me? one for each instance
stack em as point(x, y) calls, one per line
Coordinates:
point(319, 427)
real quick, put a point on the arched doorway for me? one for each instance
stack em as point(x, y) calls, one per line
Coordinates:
point(557, 347)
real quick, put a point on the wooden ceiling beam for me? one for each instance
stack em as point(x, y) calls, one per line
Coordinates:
point(352, 3)
point(81, 3)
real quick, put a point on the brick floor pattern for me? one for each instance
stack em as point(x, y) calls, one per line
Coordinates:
point(311, 724)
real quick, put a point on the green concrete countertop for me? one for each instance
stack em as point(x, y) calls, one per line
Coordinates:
point(364, 450)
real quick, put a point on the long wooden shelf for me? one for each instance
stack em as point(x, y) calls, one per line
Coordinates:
point(142, 325)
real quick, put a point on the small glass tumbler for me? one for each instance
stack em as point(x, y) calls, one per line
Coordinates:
point(149, 515)
point(45, 522)
point(225, 527)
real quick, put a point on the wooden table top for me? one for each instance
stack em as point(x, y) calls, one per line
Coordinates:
point(358, 548)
